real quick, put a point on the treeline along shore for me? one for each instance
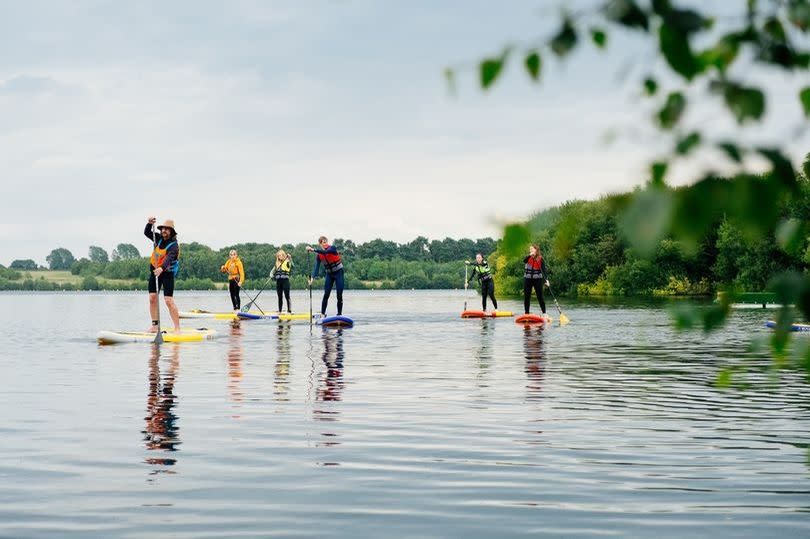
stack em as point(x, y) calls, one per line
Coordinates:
point(584, 244)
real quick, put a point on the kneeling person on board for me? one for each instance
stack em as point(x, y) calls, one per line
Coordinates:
point(163, 266)
point(534, 277)
point(481, 270)
point(281, 274)
point(236, 277)
point(333, 266)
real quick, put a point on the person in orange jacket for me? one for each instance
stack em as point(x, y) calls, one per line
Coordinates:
point(236, 277)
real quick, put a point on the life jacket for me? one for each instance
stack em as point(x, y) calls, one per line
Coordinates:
point(232, 267)
point(533, 268)
point(283, 269)
point(332, 263)
point(159, 256)
point(482, 271)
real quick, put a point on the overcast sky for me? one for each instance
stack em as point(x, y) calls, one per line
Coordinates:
point(278, 121)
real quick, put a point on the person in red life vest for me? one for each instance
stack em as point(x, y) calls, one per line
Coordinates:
point(163, 266)
point(535, 276)
point(333, 269)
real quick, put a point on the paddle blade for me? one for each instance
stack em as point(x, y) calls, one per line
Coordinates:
point(563, 319)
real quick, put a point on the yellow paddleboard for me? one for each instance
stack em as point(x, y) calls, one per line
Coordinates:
point(185, 335)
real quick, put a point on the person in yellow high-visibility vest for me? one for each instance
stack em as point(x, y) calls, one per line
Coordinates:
point(236, 277)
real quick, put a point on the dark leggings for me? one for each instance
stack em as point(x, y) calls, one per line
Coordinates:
point(233, 288)
point(537, 284)
point(283, 291)
point(488, 289)
point(335, 279)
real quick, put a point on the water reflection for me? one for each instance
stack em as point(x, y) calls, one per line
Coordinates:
point(281, 380)
point(235, 355)
point(330, 385)
point(533, 351)
point(484, 352)
point(161, 433)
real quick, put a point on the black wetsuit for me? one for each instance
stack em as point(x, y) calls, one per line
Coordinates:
point(484, 275)
point(534, 278)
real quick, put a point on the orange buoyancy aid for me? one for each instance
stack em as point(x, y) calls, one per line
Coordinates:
point(235, 269)
point(159, 256)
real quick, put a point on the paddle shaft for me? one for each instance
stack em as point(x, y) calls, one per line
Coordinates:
point(310, 286)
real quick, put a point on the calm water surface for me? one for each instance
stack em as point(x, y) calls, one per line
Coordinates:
point(414, 423)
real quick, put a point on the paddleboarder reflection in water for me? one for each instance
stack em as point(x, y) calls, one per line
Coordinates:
point(161, 433)
point(235, 353)
point(333, 269)
point(281, 383)
point(533, 350)
point(330, 384)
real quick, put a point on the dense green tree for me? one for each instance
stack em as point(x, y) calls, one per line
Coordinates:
point(25, 265)
point(60, 259)
point(125, 251)
point(98, 255)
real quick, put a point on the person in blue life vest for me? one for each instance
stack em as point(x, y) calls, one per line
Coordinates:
point(163, 266)
point(482, 271)
point(535, 277)
point(328, 256)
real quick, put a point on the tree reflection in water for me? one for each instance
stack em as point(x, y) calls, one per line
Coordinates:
point(161, 433)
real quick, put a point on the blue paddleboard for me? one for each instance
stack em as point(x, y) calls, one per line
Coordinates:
point(339, 321)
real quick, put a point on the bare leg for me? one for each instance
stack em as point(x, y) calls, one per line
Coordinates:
point(153, 310)
point(173, 313)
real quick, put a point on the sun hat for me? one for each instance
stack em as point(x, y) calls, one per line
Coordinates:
point(168, 223)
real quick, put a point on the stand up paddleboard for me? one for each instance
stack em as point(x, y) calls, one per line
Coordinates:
point(532, 319)
point(485, 314)
point(242, 315)
point(793, 327)
point(339, 321)
point(185, 335)
point(199, 313)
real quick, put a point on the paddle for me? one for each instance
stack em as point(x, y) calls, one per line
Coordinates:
point(159, 334)
point(253, 301)
point(563, 319)
point(309, 263)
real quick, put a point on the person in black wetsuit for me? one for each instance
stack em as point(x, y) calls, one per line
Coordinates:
point(481, 271)
point(333, 265)
point(281, 274)
point(163, 266)
point(535, 276)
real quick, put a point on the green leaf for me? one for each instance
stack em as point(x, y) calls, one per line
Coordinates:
point(646, 220)
point(672, 111)
point(782, 170)
point(745, 103)
point(650, 86)
point(685, 315)
point(489, 69)
point(533, 64)
point(722, 55)
point(565, 40)
point(687, 143)
point(659, 171)
point(804, 97)
point(687, 21)
point(773, 27)
point(799, 14)
point(723, 379)
point(732, 150)
point(790, 235)
point(627, 13)
point(715, 316)
point(516, 238)
point(599, 37)
point(674, 45)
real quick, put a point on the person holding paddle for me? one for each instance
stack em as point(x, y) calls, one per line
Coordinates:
point(534, 277)
point(481, 271)
point(333, 265)
point(163, 266)
point(236, 277)
point(281, 274)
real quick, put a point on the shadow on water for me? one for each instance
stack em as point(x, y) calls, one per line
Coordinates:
point(534, 352)
point(161, 434)
point(330, 385)
point(281, 380)
point(235, 356)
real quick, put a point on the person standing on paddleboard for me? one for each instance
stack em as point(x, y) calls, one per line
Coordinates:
point(163, 264)
point(481, 270)
point(535, 276)
point(333, 266)
point(236, 277)
point(281, 274)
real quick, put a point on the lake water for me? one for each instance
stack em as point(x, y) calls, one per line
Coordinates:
point(414, 423)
